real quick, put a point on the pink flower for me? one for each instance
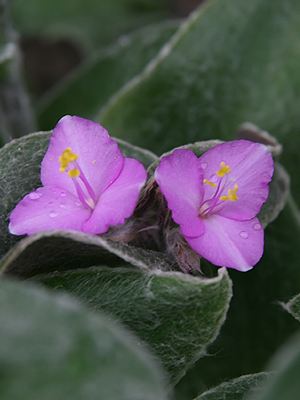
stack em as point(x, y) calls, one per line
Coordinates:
point(88, 185)
point(215, 199)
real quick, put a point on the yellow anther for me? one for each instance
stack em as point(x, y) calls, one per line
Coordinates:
point(224, 169)
point(207, 182)
point(231, 196)
point(66, 158)
point(232, 193)
point(74, 173)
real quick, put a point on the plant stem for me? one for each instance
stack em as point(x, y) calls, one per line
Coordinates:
point(16, 117)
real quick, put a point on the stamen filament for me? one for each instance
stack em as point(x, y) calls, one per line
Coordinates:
point(217, 200)
point(80, 193)
point(212, 200)
point(86, 183)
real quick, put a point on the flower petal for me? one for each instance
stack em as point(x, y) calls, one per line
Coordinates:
point(119, 200)
point(99, 157)
point(45, 209)
point(230, 243)
point(179, 177)
point(251, 167)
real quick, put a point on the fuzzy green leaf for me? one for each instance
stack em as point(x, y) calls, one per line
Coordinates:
point(278, 195)
point(53, 348)
point(57, 250)
point(176, 314)
point(237, 389)
point(293, 307)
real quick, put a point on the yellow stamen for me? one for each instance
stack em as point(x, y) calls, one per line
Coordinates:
point(74, 173)
point(207, 182)
point(231, 196)
point(224, 170)
point(66, 158)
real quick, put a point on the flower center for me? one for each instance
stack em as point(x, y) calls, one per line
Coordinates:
point(212, 205)
point(68, 163)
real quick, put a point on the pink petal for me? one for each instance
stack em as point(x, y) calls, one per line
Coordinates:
point(45, 209)
point(251, 169)
point(230, 243)
point(180, 180)
point(99, 157)
point(119, 200)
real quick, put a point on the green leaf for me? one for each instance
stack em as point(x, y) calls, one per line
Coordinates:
point(176, 314)
point(279, 191)
point(236, 389)
point(256, 325)
point(20, 173)
point(211, 77)
point(53, 348)
point(91, 85)
point(91, 22)
point(293, 307)
point(285, 384)
point(57, 250)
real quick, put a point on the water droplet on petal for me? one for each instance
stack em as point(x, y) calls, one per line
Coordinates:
point(244, 235)
point(34, 195)
point(53, 214)
point(77, 203)
point(203, 165)
point(50, 202)
point(257, 227)
point(63, 194)
point(62, 205)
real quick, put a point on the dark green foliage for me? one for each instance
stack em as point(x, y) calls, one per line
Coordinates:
point(285, 384)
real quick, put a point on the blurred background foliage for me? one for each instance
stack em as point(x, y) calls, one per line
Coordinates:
point(57, 36)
